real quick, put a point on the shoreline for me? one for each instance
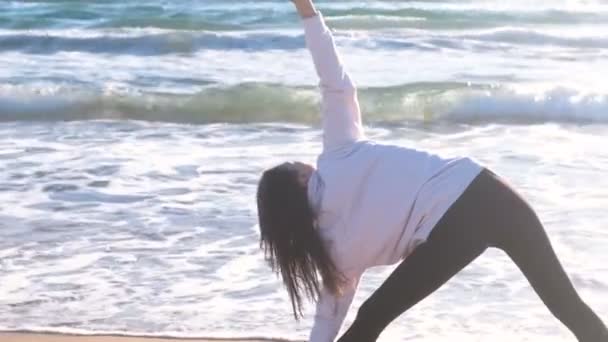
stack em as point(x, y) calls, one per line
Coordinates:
point(30, 336)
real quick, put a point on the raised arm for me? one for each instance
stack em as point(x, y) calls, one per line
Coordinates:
point(341, 116)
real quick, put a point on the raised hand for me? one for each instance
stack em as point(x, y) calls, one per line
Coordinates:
point(306, 8)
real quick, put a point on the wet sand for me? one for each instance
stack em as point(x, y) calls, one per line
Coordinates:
point(51, 337)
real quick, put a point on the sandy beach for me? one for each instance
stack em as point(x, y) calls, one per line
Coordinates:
point(51, 337)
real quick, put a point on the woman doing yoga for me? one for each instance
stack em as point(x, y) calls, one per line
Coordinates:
point(369, 204)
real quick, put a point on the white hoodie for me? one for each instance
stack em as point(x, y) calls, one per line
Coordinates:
point(374, 203)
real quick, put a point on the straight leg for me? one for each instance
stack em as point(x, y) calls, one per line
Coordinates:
point(524, 239)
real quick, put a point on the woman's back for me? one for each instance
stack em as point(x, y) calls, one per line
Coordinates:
point(376, 202)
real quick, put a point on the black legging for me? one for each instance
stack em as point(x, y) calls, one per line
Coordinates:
point(488, 214)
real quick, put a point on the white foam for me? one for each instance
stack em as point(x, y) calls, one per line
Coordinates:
point(554, 105)
point(189, 265)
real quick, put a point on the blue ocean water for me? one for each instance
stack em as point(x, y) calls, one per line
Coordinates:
point(132, 135)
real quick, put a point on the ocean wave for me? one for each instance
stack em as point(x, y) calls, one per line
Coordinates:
point(454, 18)
point(536, 38)
point(257, 103)
point(227, 17)
point(155, 42)
point(369, 18)
point(175, 22)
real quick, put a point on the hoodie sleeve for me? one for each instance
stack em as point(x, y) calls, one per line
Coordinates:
point(331, 311)
point(341, 115)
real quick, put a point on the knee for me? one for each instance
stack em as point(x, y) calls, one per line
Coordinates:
point(575, 313)
point(367, 325)
point(365, 310)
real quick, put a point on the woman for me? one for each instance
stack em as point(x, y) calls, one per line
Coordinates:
point(369, 204)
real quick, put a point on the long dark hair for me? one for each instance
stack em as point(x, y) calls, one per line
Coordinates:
point(292, 246)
